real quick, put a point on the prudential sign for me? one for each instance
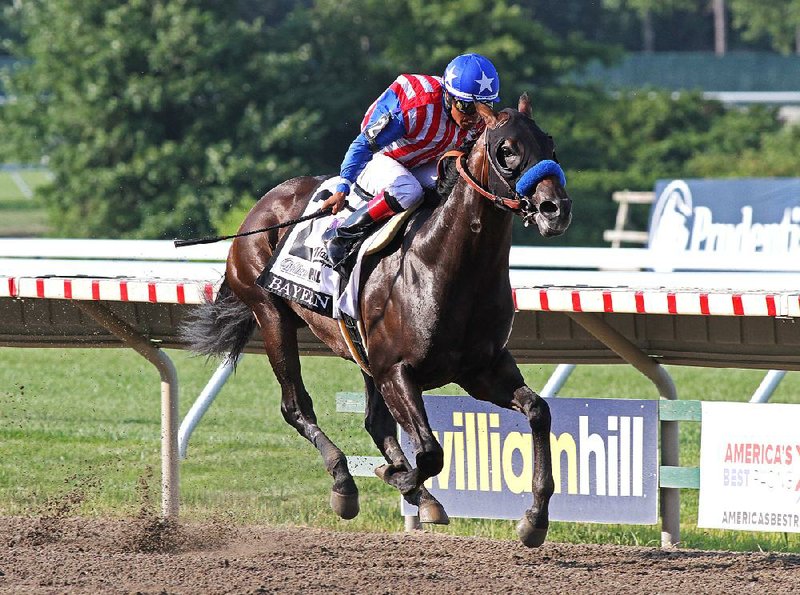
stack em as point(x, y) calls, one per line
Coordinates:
point(730, 216)
point(604, 459)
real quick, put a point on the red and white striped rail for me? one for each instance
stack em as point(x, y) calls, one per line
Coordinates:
point(542, 299)
point(115, 290)
point(657, 301)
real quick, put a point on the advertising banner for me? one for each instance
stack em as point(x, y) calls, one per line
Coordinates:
point(750, 467)
point(605, 459)
point(732, 216)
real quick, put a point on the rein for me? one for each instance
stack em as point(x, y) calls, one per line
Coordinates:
point(211, 240)
point(512, 204)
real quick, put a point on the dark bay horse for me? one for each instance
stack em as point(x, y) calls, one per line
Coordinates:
point(436, 307)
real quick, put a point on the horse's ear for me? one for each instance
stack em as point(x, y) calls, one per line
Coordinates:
point(525, 105)
point(487, 114)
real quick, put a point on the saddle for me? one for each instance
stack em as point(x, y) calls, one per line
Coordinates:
point(352, 329)
point(297, 270)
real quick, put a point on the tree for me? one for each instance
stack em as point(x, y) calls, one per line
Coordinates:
point(647, 10)
point(153, 115)
point(524, 50)
point(630, 141)
point(163, 118)
point(720, 27)
point(772, 154)
point(9, 30)
point(778, 19)
point(157, 116)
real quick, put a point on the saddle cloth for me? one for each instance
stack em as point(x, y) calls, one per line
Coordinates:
point(296, 271)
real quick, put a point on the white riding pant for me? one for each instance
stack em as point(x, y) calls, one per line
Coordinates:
point(405, 186)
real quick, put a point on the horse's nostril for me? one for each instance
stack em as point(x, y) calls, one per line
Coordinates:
point(548, 207)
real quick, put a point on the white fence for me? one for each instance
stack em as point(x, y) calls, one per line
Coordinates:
point(576, 305)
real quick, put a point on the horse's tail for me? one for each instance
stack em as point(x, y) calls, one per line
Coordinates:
point(219, 328)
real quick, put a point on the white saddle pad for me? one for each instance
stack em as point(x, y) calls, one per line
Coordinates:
point(296, 271)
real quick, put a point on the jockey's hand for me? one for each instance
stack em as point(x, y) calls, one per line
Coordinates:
point(336, 202)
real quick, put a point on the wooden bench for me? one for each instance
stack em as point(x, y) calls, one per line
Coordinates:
point(619, 235)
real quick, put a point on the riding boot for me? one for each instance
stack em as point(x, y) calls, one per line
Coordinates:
point(343, 241)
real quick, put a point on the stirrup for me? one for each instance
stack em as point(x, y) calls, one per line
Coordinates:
point(353, 230)
point(344, 266)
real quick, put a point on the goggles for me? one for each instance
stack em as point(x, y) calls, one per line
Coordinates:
point(466, 107)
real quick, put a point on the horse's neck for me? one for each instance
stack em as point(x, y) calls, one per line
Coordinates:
point(471, 226)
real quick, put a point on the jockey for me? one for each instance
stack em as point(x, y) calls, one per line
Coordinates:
point(403, 134)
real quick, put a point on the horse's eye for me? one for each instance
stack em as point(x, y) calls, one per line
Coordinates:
point(506, 158)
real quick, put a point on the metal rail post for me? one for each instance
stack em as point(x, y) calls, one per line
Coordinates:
point(670, 497)
point(768, 385)
point(203, 402)
point(170, 500)
point(557, 379)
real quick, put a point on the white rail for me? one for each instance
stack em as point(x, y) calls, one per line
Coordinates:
point(144, 259)
point(539, 267)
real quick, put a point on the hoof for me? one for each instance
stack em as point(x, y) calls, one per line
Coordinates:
point(529, 535)
point(346, 506)
point(433, 512)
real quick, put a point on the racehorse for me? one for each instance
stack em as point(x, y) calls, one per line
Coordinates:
point(436, 308)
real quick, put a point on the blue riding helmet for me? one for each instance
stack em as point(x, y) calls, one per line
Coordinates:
point(472, 77)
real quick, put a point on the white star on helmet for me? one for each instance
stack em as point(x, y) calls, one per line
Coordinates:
point(485, 82)
point(450, 75)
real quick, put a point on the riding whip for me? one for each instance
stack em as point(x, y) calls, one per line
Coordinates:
point(211, 240)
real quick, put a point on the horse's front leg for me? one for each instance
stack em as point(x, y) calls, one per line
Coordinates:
point(503, 385)
point(403, 397)
point(383, 429)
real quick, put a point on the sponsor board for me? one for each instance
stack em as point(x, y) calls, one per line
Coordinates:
point(731, 216)
point(604, 451)
point(750, 467)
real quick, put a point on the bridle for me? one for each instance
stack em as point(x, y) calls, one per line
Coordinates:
point(517, 203)
point(511, 204)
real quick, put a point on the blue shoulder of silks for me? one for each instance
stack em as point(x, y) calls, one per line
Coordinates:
point(384, 132)
point(387, 103)
point(356, 158)
point(384, 126)
point(538, 172)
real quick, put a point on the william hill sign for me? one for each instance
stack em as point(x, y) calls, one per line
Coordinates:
point(604, 459)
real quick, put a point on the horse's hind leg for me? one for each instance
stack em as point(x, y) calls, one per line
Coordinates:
point(279, 329)
point(503, 385)
point(381, 426)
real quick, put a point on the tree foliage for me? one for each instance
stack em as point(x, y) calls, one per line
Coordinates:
point(779, 20)
point(163, 118)
point(630, 141)
point(158, 116)
point(764, 156)
point(646, 10)
point(643, 7)
point(149, 113)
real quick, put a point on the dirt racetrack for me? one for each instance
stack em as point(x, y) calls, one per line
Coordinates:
point(67, 555)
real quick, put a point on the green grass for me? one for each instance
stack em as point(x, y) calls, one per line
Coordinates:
point(21, 215)
point(89, 420)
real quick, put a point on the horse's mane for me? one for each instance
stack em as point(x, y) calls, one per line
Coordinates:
point(449, 177)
